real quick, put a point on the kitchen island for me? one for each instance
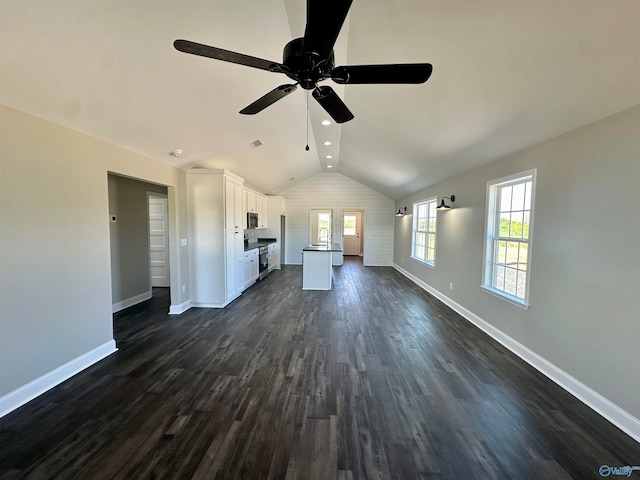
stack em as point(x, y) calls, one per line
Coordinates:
point(317, 260)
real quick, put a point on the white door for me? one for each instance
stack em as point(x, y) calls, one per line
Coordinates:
point(352, 227)
point(158, 241)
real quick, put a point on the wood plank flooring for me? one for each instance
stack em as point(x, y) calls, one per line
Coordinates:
point(372, 380)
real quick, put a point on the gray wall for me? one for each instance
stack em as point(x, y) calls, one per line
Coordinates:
point(55, 279)
point(585, 304)
point(129, 236)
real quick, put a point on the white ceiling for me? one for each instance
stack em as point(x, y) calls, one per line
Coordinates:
point(507, 75)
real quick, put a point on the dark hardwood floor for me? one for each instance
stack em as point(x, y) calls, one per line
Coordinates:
point(372, 380)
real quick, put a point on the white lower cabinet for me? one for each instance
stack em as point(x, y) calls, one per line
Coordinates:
point(250, 267)
point(273, 256)
point(255, 264)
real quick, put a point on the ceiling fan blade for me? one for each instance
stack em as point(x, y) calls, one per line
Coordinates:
point(331, 102)
point(268, 99)
point(324, 21)
point(194, 48)
point(392, 73)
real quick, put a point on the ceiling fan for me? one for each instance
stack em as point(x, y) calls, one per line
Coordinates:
point(310, 60)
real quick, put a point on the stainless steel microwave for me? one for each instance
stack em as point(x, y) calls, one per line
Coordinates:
point(252, 220)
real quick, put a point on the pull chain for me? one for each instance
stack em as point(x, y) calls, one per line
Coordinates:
point(307, 97)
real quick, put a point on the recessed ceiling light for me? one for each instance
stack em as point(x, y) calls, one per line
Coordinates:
point(327, 143)
point(329, 156)
point(326, 122)
point(329, 166)
point(175, 153)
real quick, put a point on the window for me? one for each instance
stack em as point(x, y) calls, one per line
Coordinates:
point(424, 231)
point(507, 245)
point(324, 227)
point(349, 225)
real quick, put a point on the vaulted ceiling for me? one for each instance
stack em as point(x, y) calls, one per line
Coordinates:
point(507, 74)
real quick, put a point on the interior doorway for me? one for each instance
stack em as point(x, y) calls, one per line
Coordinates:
point(352, 232)
point(129, 223)
point(158, 239)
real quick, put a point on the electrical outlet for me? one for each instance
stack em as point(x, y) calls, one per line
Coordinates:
point(451, 286)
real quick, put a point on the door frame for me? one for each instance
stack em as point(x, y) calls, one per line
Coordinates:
point(179, 285)
point(165, 199)
point(362, 212)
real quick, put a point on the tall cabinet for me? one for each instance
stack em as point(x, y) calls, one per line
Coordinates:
point(216, 241)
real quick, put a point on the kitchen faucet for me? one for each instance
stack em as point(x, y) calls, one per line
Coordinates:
point(326, 232)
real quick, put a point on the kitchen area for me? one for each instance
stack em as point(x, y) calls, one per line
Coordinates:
point(235, 237)
point(264, 237)
point(317, 265)
point(262, 257)
point(322, 253)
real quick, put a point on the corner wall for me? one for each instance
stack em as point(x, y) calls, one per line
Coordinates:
point(55, 282)
point(584, 316)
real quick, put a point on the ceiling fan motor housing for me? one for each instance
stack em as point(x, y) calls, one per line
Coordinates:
point(307, 68)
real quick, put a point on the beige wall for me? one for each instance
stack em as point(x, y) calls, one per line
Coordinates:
point(585, 307)
point(55, 281)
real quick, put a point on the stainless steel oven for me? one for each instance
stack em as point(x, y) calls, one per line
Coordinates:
point(263, 261)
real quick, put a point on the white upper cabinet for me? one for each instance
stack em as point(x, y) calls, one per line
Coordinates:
point(254, 202)
point(251, 201)
point(233, 204)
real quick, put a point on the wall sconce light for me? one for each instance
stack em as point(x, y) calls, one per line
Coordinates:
point(444, 206)
point(401, 213)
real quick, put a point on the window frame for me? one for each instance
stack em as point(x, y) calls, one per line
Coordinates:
point(428, 202)
point(492, 235)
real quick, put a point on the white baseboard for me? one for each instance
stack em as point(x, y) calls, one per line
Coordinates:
point(210, 305)
point(609, 410)
point(129, 302)
point(178, 309)
point(31, 390)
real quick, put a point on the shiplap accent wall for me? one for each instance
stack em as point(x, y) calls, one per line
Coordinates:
point(340, 193)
